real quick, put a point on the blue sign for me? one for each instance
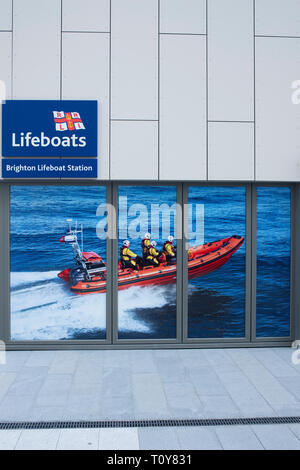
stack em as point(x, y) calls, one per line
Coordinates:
point(49, 128)
point(49, 168)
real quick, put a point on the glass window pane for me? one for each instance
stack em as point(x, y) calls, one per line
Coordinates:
point(43, 305)
point(273, 262)
point(217, 264)
point(147, 285)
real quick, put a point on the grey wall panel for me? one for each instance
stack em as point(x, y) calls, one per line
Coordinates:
point(36, 43)
point(5, 60)
point(134, 62)
point(86, 76)
point(5, 15)
point(230, 60)
point(278, 17)
point(87, 15)
point(183, 16)
point(5, 73)
point(134, 150)
point(231, 151)
point(183, 107)
point(277, 118)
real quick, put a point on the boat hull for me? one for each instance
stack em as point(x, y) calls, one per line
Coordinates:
point(202, 260)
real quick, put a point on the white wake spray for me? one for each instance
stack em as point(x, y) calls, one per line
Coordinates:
point(44, 308)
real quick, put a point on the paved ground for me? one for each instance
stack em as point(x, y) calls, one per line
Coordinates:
point(74, 385)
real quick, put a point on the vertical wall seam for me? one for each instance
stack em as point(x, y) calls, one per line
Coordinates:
point(158, 92)
point(109, 92)
point(254, 85)
point(206, 61)
point(61, 48)
point(12, 49)
point(61, 57)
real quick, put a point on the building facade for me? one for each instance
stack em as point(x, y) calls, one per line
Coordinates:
point(198, 138)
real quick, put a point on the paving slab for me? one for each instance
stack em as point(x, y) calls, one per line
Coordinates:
point(6, 380)
point(38, 439)
point(158, 439)
point(119, 439)
point(15, 361)
point(149, 396)
point(263, 380)
point(9, 439)
point(219, 407)
point(78, 439)
point(40, 359)
point(64, 362)
point(274, 437)
point(238, 438)
point(116, 408)
point(274, 363)
point(193, 438)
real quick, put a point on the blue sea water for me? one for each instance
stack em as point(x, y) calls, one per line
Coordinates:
point(156, 306)
point(42, 305)
point(273, 262)
point(216, 302)
point(44, 308)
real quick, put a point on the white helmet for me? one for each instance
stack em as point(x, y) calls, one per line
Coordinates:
point(171, 239)
point(126, 243)
point(147, 236)
point(153, 243)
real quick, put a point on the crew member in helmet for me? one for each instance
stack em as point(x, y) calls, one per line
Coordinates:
point(169, 250)
point(152, 254)
point(145, 245)
point(128, 258)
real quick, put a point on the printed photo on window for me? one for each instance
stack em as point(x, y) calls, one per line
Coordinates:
point(57, 263)
point(273, 262)
point(216, 262)
point(147, 264)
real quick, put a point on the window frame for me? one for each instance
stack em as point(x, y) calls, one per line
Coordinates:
point(31, 344)
point(268, 339)
point(111, 342)
point(222, 341)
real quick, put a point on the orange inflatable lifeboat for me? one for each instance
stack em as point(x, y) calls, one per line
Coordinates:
point(90, 273)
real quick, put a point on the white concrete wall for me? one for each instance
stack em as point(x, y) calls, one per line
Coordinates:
point(187, 89)
point(182, 107)
point(230, 60)
point(277, 118)
point(134, 59)
point(5, 15)
point(85, 73)
point(36, 49)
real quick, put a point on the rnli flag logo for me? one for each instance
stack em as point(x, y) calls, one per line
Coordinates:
point(67, 121)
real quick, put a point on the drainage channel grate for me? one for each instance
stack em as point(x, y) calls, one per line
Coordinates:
point(147, 423)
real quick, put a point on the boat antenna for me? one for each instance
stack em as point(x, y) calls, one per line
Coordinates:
point(81, 237)
point(70, 224)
